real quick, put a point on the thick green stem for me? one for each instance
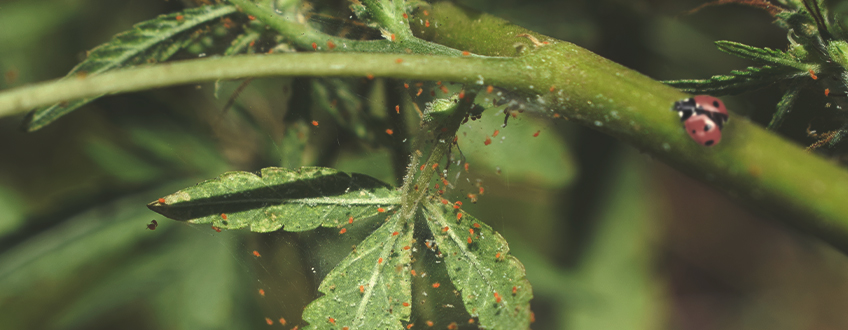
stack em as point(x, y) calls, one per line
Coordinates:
point(751, 164)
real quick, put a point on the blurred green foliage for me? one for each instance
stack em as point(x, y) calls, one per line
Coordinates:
point(609, 238)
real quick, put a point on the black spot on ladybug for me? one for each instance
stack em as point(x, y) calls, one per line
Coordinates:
point(709, 143)
point(707, 127)
point(693, 131)
point(715, 104)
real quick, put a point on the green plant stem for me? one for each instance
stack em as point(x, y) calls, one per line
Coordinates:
point(418, 67)
point(751, 164)
point(304, 36)
point(416, 188)
point(761, 169)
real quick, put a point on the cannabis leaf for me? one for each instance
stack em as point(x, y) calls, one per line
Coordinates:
point(156, 40)
point(738, 81)
point(371, 288)
point(492, 282)
point(295, 200)
point(764, 55)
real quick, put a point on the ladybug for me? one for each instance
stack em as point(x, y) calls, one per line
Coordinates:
point(703, 117)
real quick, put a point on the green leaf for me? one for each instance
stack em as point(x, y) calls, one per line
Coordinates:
point(763, 55)
point(300, 199)
point(492, 282)
point(126, 48)
point(739, 80)
point(785, 105)
point(371, 288)
point(618, 272)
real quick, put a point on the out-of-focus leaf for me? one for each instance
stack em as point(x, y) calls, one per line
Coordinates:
point(542, 160)
point(120, 163)
point(763, 55)
point(180, 148)
point(190, 281)
point(126, 47)
point(739, 80)
point(57, 253)
point(492, 282)
point(300, 199)
point(618, 269)
point(371, 287)
point(785, 105)
point(12, 216)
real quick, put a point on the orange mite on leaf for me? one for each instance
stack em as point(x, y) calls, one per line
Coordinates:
point(427, 23)
point(269, 321)
point(397, 108)
point(380, 261)
point(361, 289)
point(429, 323)
point(179, 17)
point(536, 134)
point(395, 233)
point(405, 304)
point(224, 216)
point(152, 225)
point(409, 326)
point(813, 75)
point(161, 201)
point(331, 320)
point(389, 131)
point(488, 141)
point(314, 46)
point(256, 253)
point(315, 123)
point(381, 210)
point(466, 53)
point(282, 321)
point(344, 230)
point(216, 229)
point(261, 292)
point(489, 89)
point(350, 220)
point(370, 76)
point(331, 44)
point(436, 285)
point(458, 216)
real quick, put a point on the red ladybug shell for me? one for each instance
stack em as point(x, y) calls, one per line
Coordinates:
point(703, 130)
point(703, 117)
point(710, 103)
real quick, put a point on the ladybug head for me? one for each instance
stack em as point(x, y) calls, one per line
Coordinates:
point(703, 130)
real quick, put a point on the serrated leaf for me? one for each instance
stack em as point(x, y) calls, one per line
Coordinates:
point(126, 47)
point(371, 287)
point(492, 282)
point(298, 200)
point(763, 55)
point(738, 81)
point(785, 105)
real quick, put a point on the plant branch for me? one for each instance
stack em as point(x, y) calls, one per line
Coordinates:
point(304, 36)
point(751, 164)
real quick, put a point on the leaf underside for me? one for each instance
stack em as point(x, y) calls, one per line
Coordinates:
point(154, 40)
point(493, 285)
point(371, 288)
point(762, 55)
point(298, 200)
